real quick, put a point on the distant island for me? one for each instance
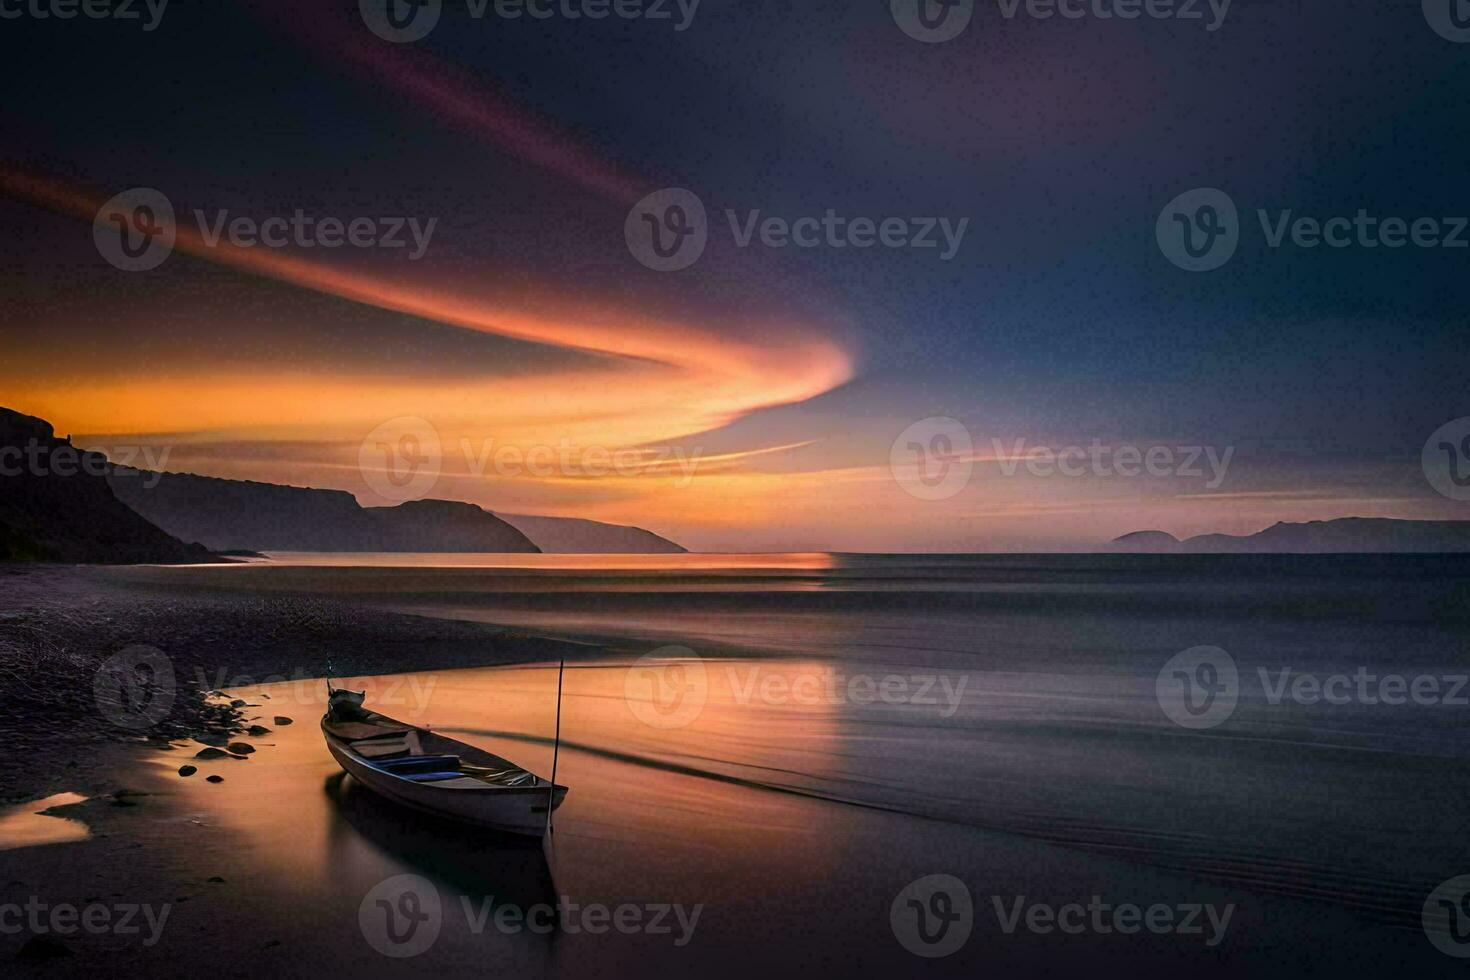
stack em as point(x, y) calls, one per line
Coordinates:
point(1347, 535)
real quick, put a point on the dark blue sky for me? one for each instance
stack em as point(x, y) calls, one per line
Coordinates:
point(1060, 141)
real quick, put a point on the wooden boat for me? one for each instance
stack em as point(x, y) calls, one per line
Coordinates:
point(433, 773)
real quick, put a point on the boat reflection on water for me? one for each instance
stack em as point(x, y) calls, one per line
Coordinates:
point(461, 860)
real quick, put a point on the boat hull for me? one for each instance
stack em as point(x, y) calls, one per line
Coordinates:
point(517, 810)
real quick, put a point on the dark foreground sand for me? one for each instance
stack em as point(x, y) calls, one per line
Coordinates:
point(59, 624)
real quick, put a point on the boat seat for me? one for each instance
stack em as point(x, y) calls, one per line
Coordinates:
point(387, 747)
point(429, 777)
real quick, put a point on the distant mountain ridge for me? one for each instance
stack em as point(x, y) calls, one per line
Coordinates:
point(56, 505)
point(576, 536)
point(1346, 535)
point(242, 515)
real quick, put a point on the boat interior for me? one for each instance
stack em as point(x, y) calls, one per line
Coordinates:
point(398, 750)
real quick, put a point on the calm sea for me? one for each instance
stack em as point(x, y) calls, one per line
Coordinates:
point(794, 741)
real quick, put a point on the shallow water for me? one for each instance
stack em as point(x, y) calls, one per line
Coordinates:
point(826, 734)
point(28, 825)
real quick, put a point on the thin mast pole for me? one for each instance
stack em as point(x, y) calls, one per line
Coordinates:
point(556, 745)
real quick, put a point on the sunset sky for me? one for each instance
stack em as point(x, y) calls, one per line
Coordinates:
point(784, 375)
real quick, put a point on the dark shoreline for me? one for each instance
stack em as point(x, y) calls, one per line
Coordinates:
point(59, 624)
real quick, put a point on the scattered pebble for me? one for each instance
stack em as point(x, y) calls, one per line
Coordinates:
point(240, 748)
point(187, 770)
point(257, 730)
point(216, 880)
point(211, 753)
point(282, 720)
point(214, 779)
point(238, 703)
